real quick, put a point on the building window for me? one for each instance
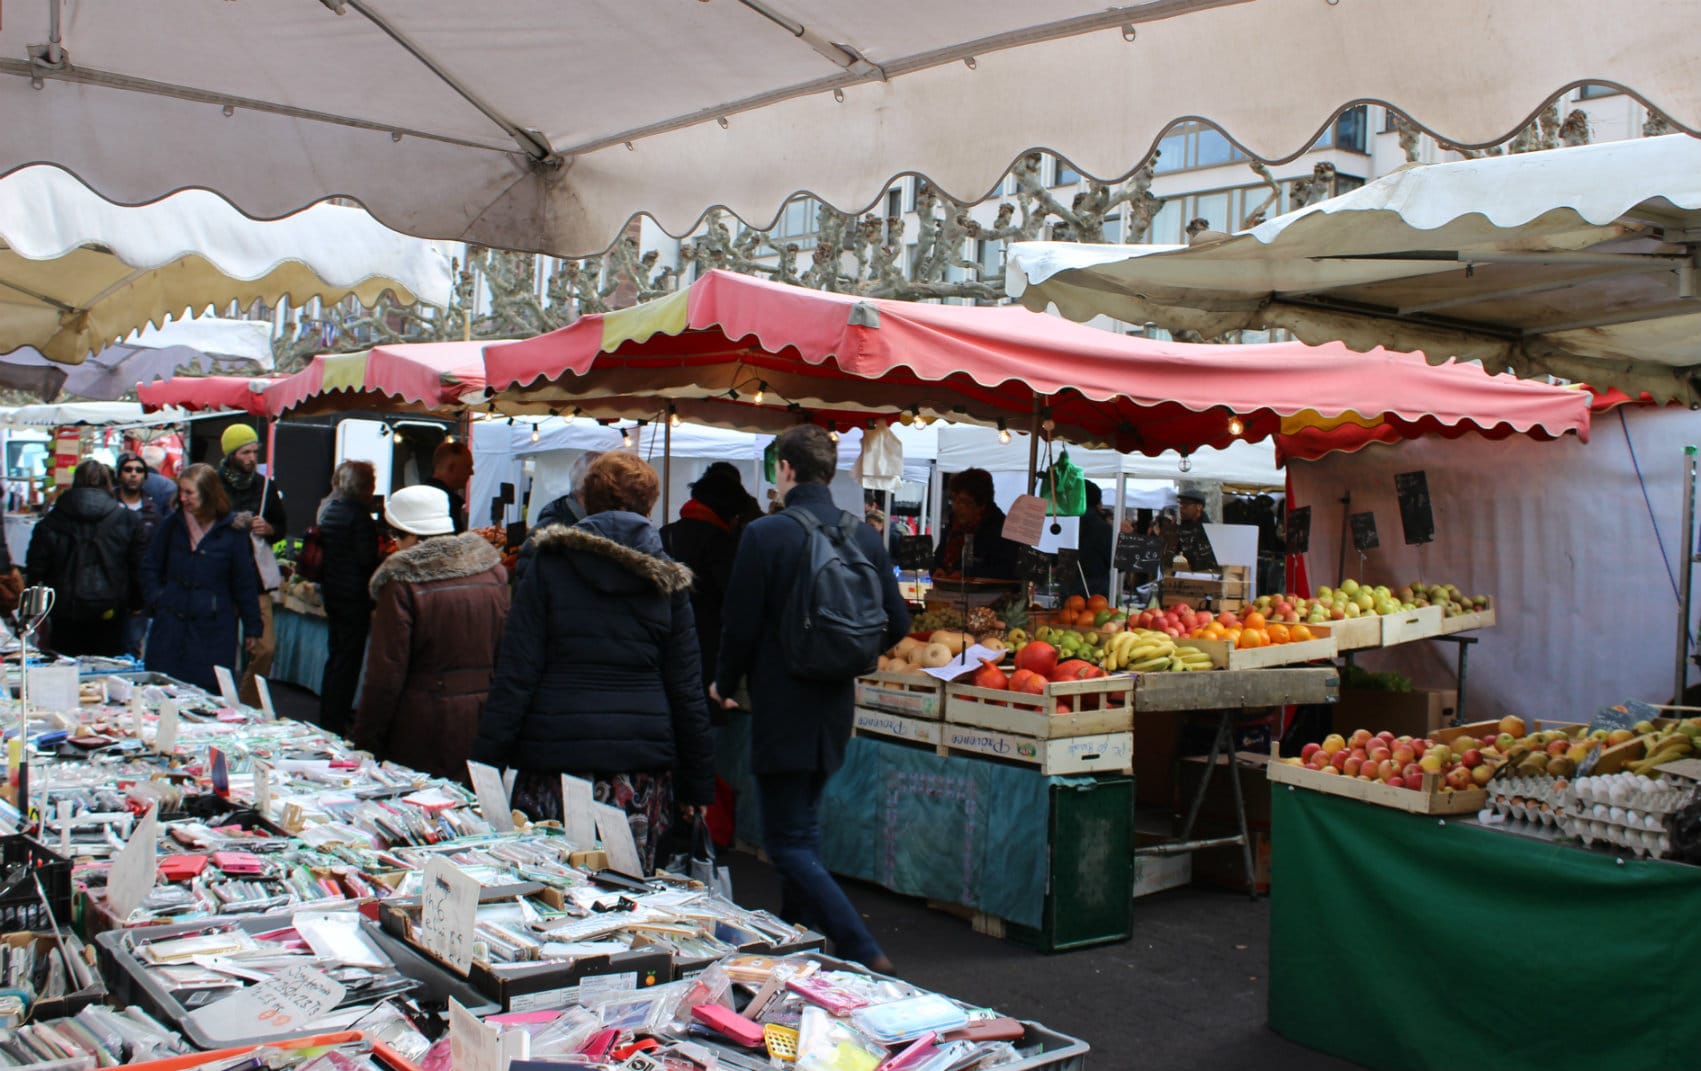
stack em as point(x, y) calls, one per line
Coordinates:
point(798, 219)
point(1194, 145)
point(1065, 175)
point(1060, 233)
point(1594, 90)
point(1346, 132)
point(1113, 228)
point(989, 255)
point(1390, 119)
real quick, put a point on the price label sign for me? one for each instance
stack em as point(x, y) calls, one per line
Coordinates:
point(915, 553)
point(1364, 530)
point(1139, 553)
point(286, 1003)
point(507, 493)
point(492, 796)
point(1033, 564)
point(227, 687)
point(1196, 548)
point(1417, 518)
point(449, 913)
point(1299, 530)
point(1025, 523)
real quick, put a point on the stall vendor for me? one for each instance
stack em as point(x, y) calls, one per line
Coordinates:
point(974, 543)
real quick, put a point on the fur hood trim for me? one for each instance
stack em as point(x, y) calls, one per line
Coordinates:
point(664, 574)
point(442, 558)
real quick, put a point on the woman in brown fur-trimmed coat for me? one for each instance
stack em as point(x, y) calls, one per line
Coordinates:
point(599, 674)
point(441, 603)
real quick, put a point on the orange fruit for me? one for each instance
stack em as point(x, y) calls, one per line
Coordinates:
point(1254, 620)
point(1085, 619)
point(1278, 633)
point(1299, 634)
point(1097, 603)
point(1247, 641)
point(1074, 604)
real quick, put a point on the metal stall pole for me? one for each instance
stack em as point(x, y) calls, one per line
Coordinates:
point(1116, 533)
point(1686, 557)
point(667, 465)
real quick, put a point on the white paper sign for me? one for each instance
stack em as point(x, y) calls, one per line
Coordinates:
point(165, 733)
point(227, 687)
point(53, 688)
point(118, 690)
point(1067, 536)
point(492, 797)
point(616, 832)
point(449, 913)
point(966, 662)
point(133, 869)
point(1024, 522)
point(474, 1046)
point(286, 1003)
point(577, 814)
point(262, 787)
point(265, 691)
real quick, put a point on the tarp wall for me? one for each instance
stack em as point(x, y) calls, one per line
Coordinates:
point(1560, 533)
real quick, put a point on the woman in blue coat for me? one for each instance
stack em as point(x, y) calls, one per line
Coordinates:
point(200, 582)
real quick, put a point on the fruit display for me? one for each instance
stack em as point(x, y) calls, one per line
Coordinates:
point(1397, 761)
point(1561, 753)
point(1137, 650)
point(1252, 630)
point(1090, 613)
point(1352, 599)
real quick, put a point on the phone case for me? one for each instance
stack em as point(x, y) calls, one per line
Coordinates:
point(1000, 1029)
point(730, 1023)
point(913, 1056)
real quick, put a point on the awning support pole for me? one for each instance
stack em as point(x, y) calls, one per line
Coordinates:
point(1686, 565)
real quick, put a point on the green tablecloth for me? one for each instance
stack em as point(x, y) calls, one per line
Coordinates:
point(1403, 942)
point(302, 644)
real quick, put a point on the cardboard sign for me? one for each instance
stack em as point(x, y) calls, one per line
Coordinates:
point(1364, 530)
point(1138, 553)
point(1624, 715)
point(1195, 546)
point(265, 689)
point(1025, 521)
point(492, 797)
point(285, 1003)
point(165, 730)
point(54, 688)
point(227, 687)
point(1417, 519)
point(262, 787)
point(616, 832)
point(479, 1046)
point(578, 815)
point(1299, 530)
point(915, 553)
point(131, 876)
point(449, 913)
point(1033, 564)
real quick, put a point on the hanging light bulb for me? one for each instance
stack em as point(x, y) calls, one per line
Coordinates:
point(534, 433)
point(761, 389)
point(672, 419)
point(449, 438)
point(568, 419)
point(1186, 464)
point(833, 432)
point(1235, 426)
point(1003, 433)
point(626, 438)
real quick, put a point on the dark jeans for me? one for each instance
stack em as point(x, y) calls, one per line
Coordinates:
point(348, 627)
point(791, 831)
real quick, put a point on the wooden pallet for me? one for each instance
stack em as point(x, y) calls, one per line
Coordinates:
point(909, 694)
point(1227, 656)
point(1097, 753)
point(1431, 798)
point(1236, 690)
point(890, 726)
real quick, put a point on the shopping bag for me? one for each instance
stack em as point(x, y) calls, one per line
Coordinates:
point(699, 864)
point(1066, 488)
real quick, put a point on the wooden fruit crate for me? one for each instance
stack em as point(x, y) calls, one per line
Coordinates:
point(1355, 633)
point(1478, 730)
point(1409, 625)
point(1466, 622)
point(1233, 591)
point(1098, 753)
point(867, 722)
point(1430, 798)
point(1107, 699)
point(1226, 656)
point(910, 694)
point(1251, 690)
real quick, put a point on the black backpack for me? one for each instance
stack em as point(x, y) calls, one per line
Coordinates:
point(835, 617)
point(96, 591)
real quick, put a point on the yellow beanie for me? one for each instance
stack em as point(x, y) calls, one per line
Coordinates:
point(236, 437)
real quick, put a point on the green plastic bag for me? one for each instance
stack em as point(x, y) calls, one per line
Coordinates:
point(1064, 487)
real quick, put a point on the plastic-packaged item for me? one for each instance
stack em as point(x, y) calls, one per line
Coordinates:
point(836, 991)
point(712, 986)
point(906, 1020)
point(828, 1044)
point(728, 1023)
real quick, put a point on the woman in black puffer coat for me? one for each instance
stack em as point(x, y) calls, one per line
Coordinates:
point(350, 540)
point(599, 673)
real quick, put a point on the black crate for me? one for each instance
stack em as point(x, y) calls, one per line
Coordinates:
point(21, 903)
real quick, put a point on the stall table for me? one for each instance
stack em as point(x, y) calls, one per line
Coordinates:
point(302, 645)
point(1406, 942)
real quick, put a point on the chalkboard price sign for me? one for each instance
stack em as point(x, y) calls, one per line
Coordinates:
point(507, 493)
point(1196, 548)
point(1364, 530)
point(498, 509)
point(1417, 519)
point(1139, 553)
point(1068, 564)
point(515, 535)
point(915, 552)
point(1033, 564)
point(1299, 530)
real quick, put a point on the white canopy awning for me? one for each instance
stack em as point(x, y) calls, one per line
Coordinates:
point(541, 125)
point(1578, 263)
point(1245, 464)
point(101, 414)
point(205, 344)
point(78, 272)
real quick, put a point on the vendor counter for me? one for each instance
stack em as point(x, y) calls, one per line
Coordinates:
point(303, 642)
point(1406, 942)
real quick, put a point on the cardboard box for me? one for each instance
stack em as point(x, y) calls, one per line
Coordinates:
point(1218, 807)
point(1418, 712)
point(74, 1000)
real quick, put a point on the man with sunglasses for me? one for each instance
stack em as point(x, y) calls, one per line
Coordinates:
point(131, 492)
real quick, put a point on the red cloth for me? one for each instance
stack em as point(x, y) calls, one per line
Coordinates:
point(694, 510)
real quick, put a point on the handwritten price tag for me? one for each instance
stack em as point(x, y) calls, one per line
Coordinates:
point(492, 796)
point(449, 913)
point(286, 1003)
point(134, 868)
point(165, 732)
point(578, 797)
point(227, 687)
point(616, 831)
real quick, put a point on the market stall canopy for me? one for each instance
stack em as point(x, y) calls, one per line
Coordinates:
point(1240, 463)
point(243, 394)
point(201, 345)
point(78, 272)
point(547, 129)
point(416, 376)
point(88, 414)
point(1578, 263)
point(734, 351)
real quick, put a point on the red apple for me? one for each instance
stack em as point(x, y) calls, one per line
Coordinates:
point(1394, 782)
point(1359, 738)
point(1386, 769)
point(1404, 754)
point(1380, 754)
point(1359, 754)
point(1459, 779)
point(1309, 750)
point(1559, 747)
point(1386, 736)
point(1472, 758)
point(1353, 766)
point(1412, 772)
point(1340, 759)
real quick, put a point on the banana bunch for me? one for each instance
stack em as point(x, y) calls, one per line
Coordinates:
point(1663, 750)
point(1150, 651)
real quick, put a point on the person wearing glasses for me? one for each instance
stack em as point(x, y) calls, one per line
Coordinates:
point(132, 494)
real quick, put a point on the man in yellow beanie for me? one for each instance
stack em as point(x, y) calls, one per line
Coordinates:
point(258, 506)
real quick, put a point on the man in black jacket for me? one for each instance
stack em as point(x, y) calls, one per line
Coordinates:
point(705, 540)
point(89, 549)
point(132, 494)
point(1095, 545)
point(350, 537)
point(799, 727)
point(258, 506)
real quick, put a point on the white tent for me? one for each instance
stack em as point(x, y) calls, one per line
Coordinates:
point(78, 272)
point(1579, 263)
point(1250, 464)
point(91, 414)
point(540, 125)
point(204, 344)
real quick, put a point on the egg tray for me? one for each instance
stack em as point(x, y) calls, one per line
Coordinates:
point(1523, 798)
point(1622, 810)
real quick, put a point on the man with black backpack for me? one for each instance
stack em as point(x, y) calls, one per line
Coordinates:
point(89, 549)
point(811, 603)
